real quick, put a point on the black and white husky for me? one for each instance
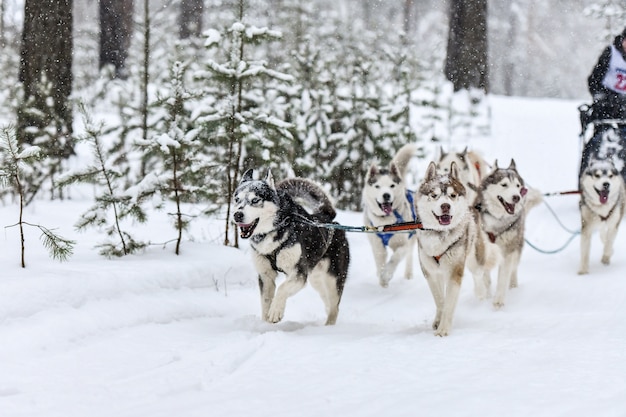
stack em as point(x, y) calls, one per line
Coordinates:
point(386, 200)
point(602, 205)
point(284, 238)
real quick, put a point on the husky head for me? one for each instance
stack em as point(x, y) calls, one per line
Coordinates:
point(600, 182)
point(255, 205)
point(502, 193)
point(459, 158)
point(442, 199)
point(384, 189)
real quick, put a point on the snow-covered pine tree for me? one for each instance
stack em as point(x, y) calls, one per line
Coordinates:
point(49, 131)
point(111, 206)
point(183, 166)
point(242, 135)
point(13, 163)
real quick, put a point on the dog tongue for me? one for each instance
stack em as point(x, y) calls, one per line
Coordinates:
point(387, 208)
point(604, 196)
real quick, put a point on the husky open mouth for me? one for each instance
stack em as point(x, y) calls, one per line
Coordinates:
point(246, 230)
point(603, 195)
point(510, 208)
point(444, 219)
point(386, 207)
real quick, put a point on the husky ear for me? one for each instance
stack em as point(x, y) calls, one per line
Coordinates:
point(463, 154)
point(393, 168)
point(431, 171)
point(247, 176)
point(269, 179)
point(442, 153)
point(454, 170)
point(495, 165)
point(512, 165)
point(373, 170)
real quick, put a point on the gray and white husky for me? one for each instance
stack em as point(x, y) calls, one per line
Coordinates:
point(502, 204)
point(472, 168)
point(602, 204)
point(447, 241)
point(285, 238)
point(386, 200)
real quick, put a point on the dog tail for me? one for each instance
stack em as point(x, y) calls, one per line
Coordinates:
point(310, 196)
point(403, 156)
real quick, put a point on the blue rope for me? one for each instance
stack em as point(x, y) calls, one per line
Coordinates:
point(573, 234)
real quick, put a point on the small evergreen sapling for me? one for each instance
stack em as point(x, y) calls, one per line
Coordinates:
point(111, 206)
point(11, 175)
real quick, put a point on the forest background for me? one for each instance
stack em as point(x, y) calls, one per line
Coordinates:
point(204, 89)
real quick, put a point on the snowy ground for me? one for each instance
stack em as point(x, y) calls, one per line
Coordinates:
point(159, 335)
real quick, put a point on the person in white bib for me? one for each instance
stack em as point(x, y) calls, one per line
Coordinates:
point(607, 82)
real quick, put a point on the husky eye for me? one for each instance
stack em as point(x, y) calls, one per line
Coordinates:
point(255, 201)
point(237, 200)
point(504, 185)
point(393, 185)
point(433, 195)
point(453, 195)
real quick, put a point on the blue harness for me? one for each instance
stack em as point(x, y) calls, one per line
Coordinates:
point(386, 237)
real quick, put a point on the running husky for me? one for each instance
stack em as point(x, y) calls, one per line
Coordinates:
point(284, 239)
point(472, 168)
point(502, 204)
point(386, 200)
point(448, 241)
point(602, 204)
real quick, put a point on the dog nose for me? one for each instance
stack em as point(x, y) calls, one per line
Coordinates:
point(516, 198)
point(445, 208)
point(238, 216)
point(386, 197)
point(606, 186)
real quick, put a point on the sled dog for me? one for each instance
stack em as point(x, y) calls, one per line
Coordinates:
point(472, 168)
point(502, 204)
point(285, 238)
point(386, 200)
point(447, 241)
point(602, 204)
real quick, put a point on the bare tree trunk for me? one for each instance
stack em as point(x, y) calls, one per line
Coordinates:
point(116, 25)
point(190, 18)
point(46, 55)
point(466, 59)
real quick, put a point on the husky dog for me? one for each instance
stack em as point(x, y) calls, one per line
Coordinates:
point(386, 200)
point(602, 204)
point(285, 238)
point(502, 204)
point(448, 239)
point(472, 168)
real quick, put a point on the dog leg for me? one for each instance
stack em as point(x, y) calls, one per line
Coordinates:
point(392, 265)
point(508, 267)
point(585, 247)
point(267, 284)
point(608, 237)
point(291, 286)
point(434, 283)
point(380, 258)
point(453, 288)
point(408, 264)
point(326, 285)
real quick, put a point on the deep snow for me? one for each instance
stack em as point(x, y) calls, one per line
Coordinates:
point(161, 335)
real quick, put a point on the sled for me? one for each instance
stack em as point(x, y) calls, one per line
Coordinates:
point(602, 139)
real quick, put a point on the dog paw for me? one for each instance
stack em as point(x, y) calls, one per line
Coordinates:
point(497, 305)
point(583, 272)
point(275, 314)
point(442, 331)
point(606, 260)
